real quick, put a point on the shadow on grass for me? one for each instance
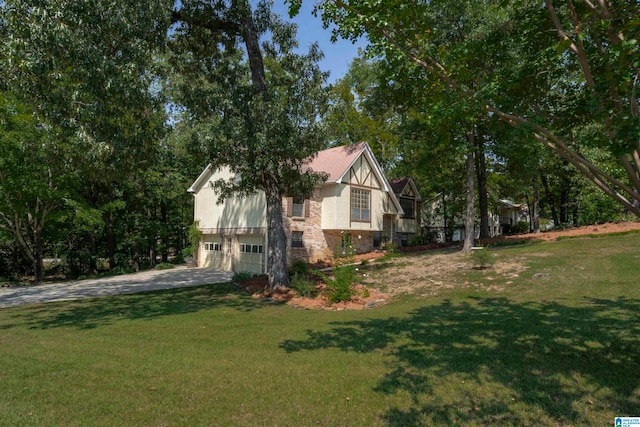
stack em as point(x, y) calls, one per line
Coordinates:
point(548, 356)
point(94, 312)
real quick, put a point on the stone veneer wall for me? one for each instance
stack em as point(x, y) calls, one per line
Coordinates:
point(362, 244)
point(315, 245)
point(319, 244)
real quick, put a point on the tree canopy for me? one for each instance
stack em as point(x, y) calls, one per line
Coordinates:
point(564, 72)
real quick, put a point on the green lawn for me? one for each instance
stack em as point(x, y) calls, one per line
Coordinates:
point(561, 349)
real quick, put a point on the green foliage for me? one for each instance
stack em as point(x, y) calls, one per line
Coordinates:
point(239, 276)
point(520, 227)
point(389, 247)
point(482, 258)
point(304, 285)
point(165, 266)
point(475, 62)
point(91, 70)
point(340, 286)
point(194, 236)
point(597, 208)
point(298, 267)
point(418, 240)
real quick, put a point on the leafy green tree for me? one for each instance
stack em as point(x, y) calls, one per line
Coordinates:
point(257, 114)
point(364, 108)
point(91, 70)
point(35, 179)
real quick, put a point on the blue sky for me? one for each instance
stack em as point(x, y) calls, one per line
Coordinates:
point(337, 56)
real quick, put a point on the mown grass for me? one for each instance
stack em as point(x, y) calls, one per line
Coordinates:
point(556, 350)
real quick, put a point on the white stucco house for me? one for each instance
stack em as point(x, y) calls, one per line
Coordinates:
point(355, 206)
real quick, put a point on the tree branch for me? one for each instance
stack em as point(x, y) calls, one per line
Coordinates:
point(584, 166)
point(582, 57)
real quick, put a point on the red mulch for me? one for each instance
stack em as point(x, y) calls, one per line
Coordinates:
point(611, 227)
point(365, 297)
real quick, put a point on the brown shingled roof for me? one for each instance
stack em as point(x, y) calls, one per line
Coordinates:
point(335, 161)
point(398, 184)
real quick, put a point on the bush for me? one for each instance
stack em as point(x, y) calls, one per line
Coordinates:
point(340, 286)
point(298, 267)
point(239, 276)
point(482, 258)
point(164, 266)
point(79, 263)
point(389, 247)
point(417, 240)
point(303, 285)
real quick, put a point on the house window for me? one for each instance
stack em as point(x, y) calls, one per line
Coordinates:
point(250, 249)
point(296, 239)
point(298, 206)
point(212, 247)
point(229, 244)
point(360, 206)
point(408, 206)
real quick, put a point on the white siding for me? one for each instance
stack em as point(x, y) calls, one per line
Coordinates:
point(235, 212)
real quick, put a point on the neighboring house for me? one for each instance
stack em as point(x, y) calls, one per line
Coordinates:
point(438, 217)
point(510, 214)
point(407, 225)
point(435, 211)
point(355, 206)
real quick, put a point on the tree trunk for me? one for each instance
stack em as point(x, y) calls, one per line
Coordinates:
point(444, 216)
point(536, 206)
point(469, 218)
point(111, 241)
point(550, 201)
point(277, 269)
point(252, 43)
point(38, 263)
point(277, 240)
point(483, 197)
point(164, 232)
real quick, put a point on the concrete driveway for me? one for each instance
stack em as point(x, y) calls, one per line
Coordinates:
point(177, 277)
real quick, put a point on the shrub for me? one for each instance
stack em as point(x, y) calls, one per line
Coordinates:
point(417, 240)
point(298, 267)
point(164, 266)
point(239, 276)
point(340, 286)
point(389, 247)
point(303, 285)
point(482, 258)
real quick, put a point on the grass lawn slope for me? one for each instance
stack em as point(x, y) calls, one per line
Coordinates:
point(548, 336)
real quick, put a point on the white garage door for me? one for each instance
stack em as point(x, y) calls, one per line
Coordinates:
point(250, 253)
point(211, 251)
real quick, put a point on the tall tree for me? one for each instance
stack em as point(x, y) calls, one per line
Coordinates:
point(35, 179)
point(364, 108)
point(259, 115)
